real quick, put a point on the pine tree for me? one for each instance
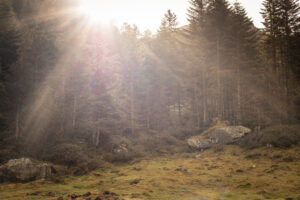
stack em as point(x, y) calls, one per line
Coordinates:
point(281, 21)
point(168, 25)
point(289, 26)
point(216, 32)
point(8, 37)
point(244, 42)
point(9, 44)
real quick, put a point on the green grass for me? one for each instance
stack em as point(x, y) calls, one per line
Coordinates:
point(215, 176)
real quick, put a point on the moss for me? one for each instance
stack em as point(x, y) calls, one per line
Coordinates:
point(213, 176)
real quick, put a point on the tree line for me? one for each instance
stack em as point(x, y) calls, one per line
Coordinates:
point(63, 80)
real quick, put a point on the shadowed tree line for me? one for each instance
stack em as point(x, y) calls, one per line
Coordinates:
point(65, 82)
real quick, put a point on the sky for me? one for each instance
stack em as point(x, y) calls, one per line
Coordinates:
point(147, 14)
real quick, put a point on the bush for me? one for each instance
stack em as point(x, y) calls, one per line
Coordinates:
point(281, 136)
point(72, 155)
point(120, 157)
point(181, 133)
point(218, 148)
point(155, 142)
point(66, 154)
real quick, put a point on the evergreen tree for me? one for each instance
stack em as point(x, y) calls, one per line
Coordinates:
point(9, 44)
point(169, 22)
point(281, 21)
point(244, 42)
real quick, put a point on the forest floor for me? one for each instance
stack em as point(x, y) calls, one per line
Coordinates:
point(234, 173)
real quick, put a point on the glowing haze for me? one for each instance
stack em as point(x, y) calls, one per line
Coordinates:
point(147, 14)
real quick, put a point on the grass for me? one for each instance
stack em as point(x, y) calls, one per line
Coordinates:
point(232, 174)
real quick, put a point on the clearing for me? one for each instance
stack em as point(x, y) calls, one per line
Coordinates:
point(234, 173)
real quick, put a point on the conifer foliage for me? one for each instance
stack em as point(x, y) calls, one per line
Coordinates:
point(65, 82)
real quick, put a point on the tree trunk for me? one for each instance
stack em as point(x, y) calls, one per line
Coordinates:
point(148, 110)
point(179, 104)
point(96, 137)
point(62, 122)
point(238, 114)
point(74, 111)
point(204, 99)
point(132, 108)
point(17, 129)
point(197, 106)
point(219, 99)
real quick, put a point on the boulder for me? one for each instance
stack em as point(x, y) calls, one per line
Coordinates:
point(236, 132)
point(24, 169)
point(199, 143)
point(218, 135)
point(120, 149)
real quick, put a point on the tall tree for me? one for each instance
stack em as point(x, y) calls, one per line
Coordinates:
point(244, 42)
point(9, 43)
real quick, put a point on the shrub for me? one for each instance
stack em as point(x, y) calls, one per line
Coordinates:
point(66, 154)
point(164, 142)
point(218, 148)
point(281, 136)
point(72, 155)
point(120, 157)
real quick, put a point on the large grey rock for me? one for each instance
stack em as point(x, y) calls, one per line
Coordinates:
point(120, 150)
point(218, 135)
point(24, 169)
point(200, 143)
point(236, 132)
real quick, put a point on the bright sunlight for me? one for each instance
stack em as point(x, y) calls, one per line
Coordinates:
point(132, 11)
point(141, 13)
point(98, 11)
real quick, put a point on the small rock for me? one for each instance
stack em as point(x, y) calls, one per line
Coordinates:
point(87, 194)
point(60, 198)
point(146, 194)
point(247, 185)
point(269, 171)
point(113, 194)
point(269, 145)
point(239, 171)
point(34, 193)
point(275, 166)
point(288, 159)
point(50, 194)
point(100, 183)
point(137, 168)
point(253, 156)
point(213, 167)
point(199, 156)
point(134, 182)
point(42, 181)
point(106, 192)
point(97, 174)
point(182, 169)
point(288, 198)
point(74, 196)
point(277, 156)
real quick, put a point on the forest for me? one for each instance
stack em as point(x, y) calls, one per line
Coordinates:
point(97, 97)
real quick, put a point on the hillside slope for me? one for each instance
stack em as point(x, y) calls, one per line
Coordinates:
point(234, 173)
